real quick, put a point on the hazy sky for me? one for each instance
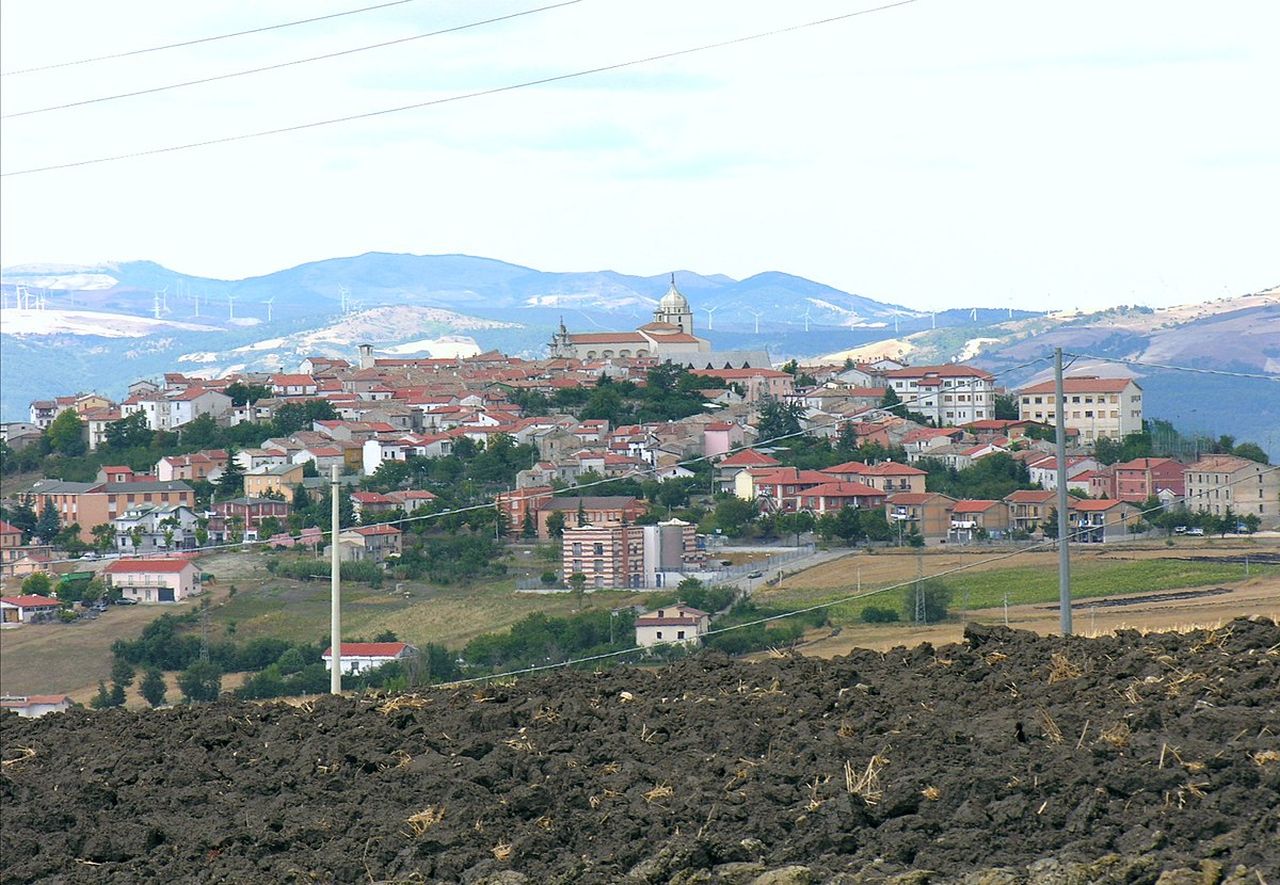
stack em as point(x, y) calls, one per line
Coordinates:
point(938, 154)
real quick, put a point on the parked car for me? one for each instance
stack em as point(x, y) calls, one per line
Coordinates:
point(756, 575)
point(123, 601)
point(1196, 531)
point(1180, 530)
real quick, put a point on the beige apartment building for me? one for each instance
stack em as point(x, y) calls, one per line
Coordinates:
point(1095, 407)
point(1218, 482)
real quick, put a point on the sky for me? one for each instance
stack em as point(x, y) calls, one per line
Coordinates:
point(938, 154)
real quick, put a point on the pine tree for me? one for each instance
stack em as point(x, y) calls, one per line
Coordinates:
point(48, 524)
point(153, 688)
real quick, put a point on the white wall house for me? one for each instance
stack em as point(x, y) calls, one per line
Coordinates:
point(676, 623)
point(361, 657)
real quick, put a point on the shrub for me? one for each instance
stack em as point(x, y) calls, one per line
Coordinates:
point(876, 615)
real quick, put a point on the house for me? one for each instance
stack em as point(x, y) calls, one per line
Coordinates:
point(971, 518)
point(1044, 470)
point(523, 503)
point(1098, 521)
point(154, 580)
point(758, 384)
point(278, 480)
point(246, 513)
point(831, 497)
point(719, 437)
point(949, 395)
point(676, 623)
point(361, 657)
point(149, 528)
point(170, 409)
point(369, 543)
point(93, 503)
point(410, 500)
point(33, 706)
point(10, 542)
point(926, 513)
point(921, 442)
point(18, 610)
point(1029, 509)
point(366, 503)
point(728, 468)
point(890, 476)
point(1217, 483)
point(599, 510)
point(208, 465)
point(1143, 478)
point(1096, 407)
point(293, 385)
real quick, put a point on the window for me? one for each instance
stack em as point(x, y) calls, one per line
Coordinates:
point(598, 550)
point(680, 634)
point(659, 634)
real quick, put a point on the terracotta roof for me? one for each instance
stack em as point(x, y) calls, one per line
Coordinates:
point(842, 490)
point(915, 498)
point(378, 529)
point(7, 529)
point(974, 506)
point(654, 621)
point(1030, 496)
point(1094, 506)
point(30, 601)
point(32, 700)
point(1144, 463)
point(368, 649)
point(1223, 463)
point(1083, 384)
point(162, 566)
point(949, 370)
point(608, 338)
point(894, 468)
point(749, 458)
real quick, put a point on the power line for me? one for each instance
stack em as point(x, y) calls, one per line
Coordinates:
point(1196, 369)
point(817, 606)
point(286, 64)
point(199, 40)
point(497, 90)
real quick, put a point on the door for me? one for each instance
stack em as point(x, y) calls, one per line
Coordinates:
point(166, 594)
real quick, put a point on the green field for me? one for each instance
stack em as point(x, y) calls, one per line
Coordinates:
point(987, 589)
point(299, 611)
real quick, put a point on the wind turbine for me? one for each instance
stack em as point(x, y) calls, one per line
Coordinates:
point(270, 301)
point(343, 295)
point(973, 315)
point(231, 307)
point(895, 322)
point(806, 318)
point(933, 320)
point(757, 314)
point(710, 313)
point(155, 304)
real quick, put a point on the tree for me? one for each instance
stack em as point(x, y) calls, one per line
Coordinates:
point(117, 694)
point(555, 524)
point(779, 419)
point(243, 394)
point(37, 584)
point(130, 432)
point(47, 524)
point(23, 516)
point(122, 672)
point(202, 681)
point(231, 483)
point(528, 528)
point(102, 700)
point(153, 687)
point(582, 513)
point(1251, 451)
point(847, 527)
point(1006, 407)
point(104, 536)
point(732, 515)
point(578, 585)
point(925, 602)
point(66, 435)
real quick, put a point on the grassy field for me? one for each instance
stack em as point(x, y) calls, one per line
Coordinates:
point(1091, 576)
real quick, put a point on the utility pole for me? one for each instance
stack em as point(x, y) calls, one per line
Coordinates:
point(1064, 553)
point(335, 589)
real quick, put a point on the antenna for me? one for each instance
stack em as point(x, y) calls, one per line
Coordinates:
point(710, 313)
point(757, 314)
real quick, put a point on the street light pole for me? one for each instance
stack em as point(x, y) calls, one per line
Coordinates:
point(1064, 554)
point(335, 589)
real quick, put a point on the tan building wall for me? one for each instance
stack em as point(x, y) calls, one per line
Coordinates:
point(1217, 482)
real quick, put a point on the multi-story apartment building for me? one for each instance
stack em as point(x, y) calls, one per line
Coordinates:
point(631, 555)
point(926, 513)
point(949, 394)
point(1218, 482)
point(1029, 509)
point(165, 410)
point(93, 503)
point(1095, 407)
point(1142, 478)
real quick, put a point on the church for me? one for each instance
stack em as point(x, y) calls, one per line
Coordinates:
point(669, 337)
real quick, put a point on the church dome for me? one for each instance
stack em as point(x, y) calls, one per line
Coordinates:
point(673, 301)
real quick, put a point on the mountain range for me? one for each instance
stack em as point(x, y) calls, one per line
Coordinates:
point(105, 325)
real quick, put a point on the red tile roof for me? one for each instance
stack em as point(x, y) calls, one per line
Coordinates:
point(161, 566)
point(749, 458)
point(378, 529)
point(1083, 384)
point(30, 601)
point(368, 649)
point(1094, 506)
point(974, 506)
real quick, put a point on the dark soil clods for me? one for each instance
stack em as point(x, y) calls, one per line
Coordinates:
point(1007, 758)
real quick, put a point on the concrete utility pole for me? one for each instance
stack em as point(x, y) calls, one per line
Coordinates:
point(1064, 523)
point(335, 589)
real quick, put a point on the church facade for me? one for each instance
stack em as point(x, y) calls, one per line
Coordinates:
point(668, 337)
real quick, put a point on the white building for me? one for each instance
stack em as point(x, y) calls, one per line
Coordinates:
point(174, 408)
point(950, 394)
point(1098, 408)
point(18, 610)
point(361, 657)
point(677, 623)
point(33, 706)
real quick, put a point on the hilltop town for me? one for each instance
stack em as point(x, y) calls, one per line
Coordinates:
point(631, 458)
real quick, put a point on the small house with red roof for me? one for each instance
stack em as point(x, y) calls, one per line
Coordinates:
point(154, 580)
point(834, 496)
point(33, 706)
point(1099, 521)
point(371, 543)
point(677, 623)
point(18, 610)
point(361, 657)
